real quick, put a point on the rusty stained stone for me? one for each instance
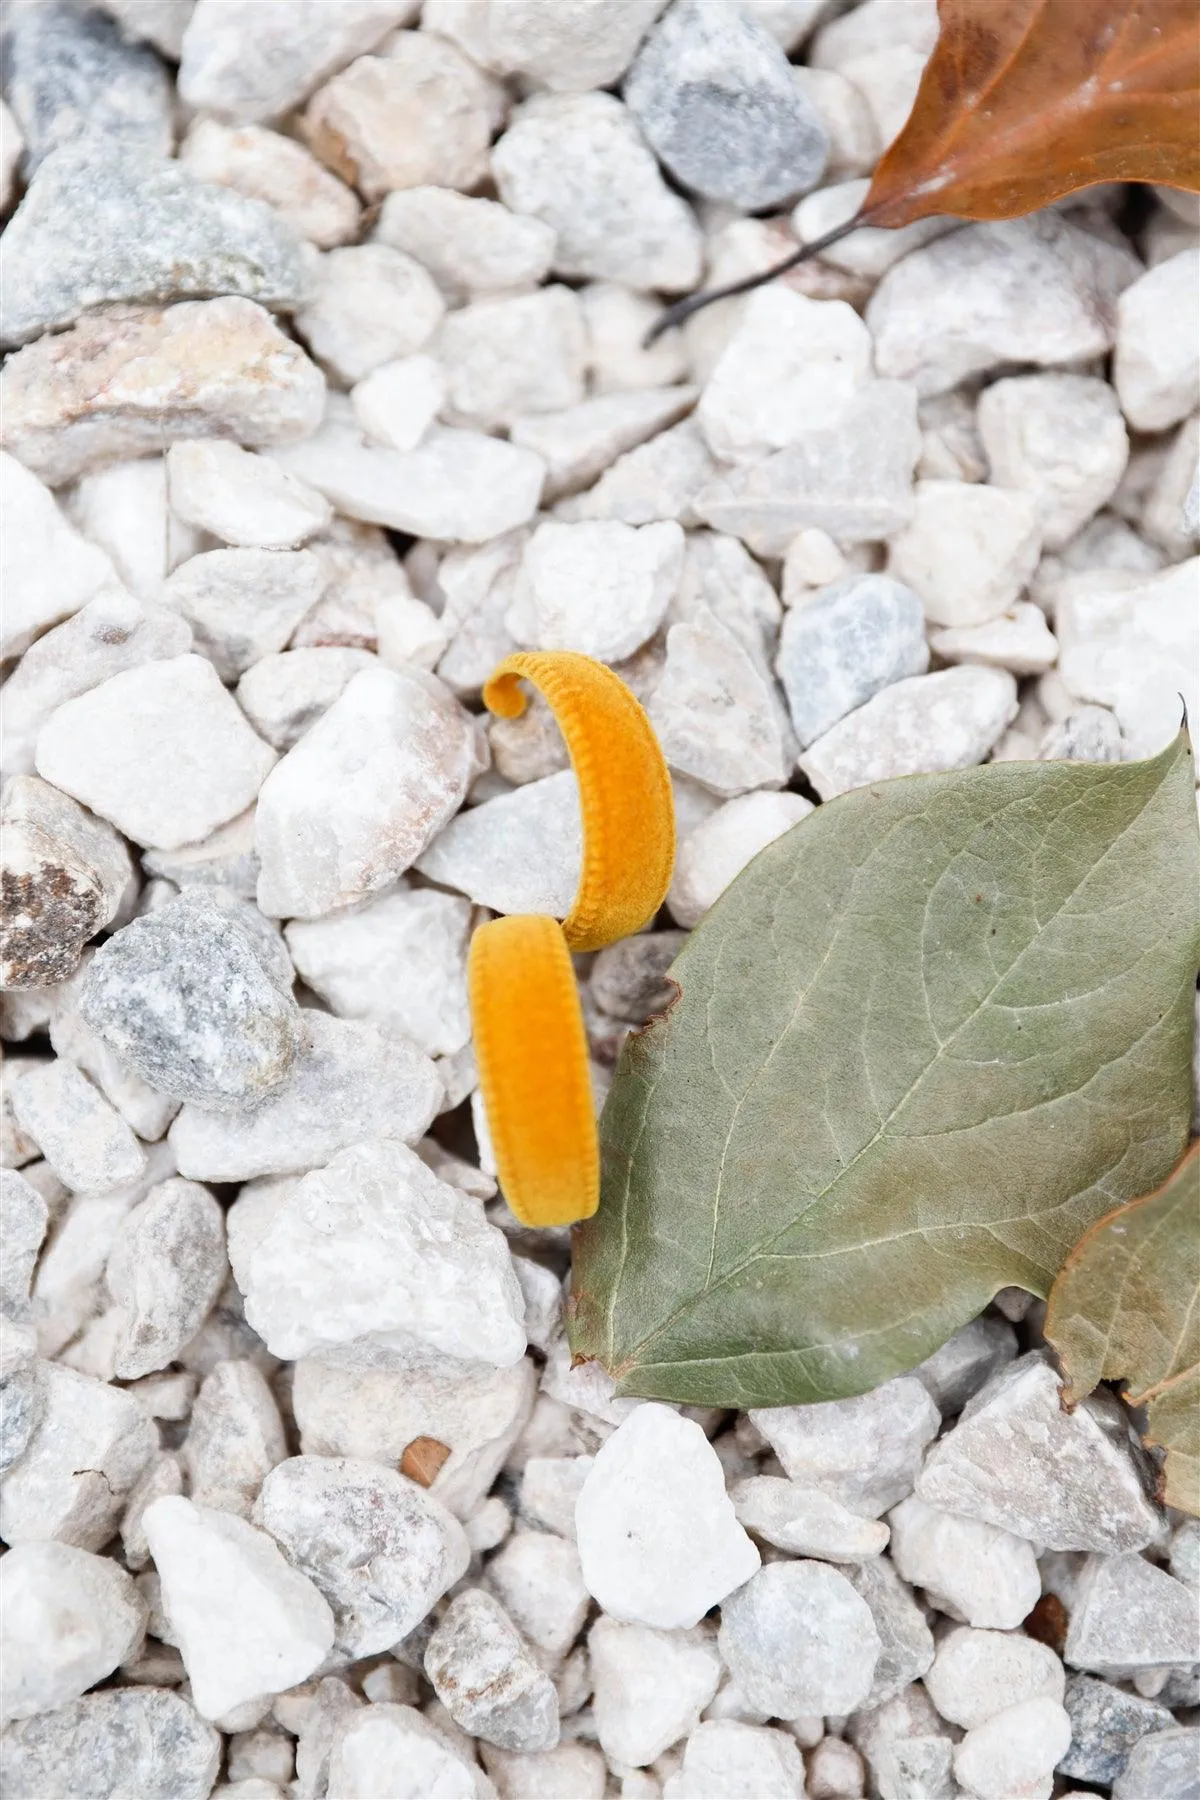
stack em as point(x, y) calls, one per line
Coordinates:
point(49, 908)
point(423, 1459)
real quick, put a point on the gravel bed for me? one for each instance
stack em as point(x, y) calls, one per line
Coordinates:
point(326, 388)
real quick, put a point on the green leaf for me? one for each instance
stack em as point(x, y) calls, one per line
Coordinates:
point(923, 1041)
point(1127, 1303)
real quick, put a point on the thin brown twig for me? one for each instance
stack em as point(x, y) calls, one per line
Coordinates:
point(683, 309)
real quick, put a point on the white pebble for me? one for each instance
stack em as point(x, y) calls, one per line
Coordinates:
point(348, 1405)
point(456, 486)
point(387, 1749)
point(351, 1080)
point(124, 508)
point(282, 695)
point(84, 1139)
point(1039, 290)
point(86, 1452)
point(658, 1539)
point(572, 47)
point(600, 588)
point(717, 713)
point(49, 571)
point(1156, 369)
point(241, 497)
point(580, 442)
point(371, 305)
point(161, 750)
point(579, 164)
point(649, 1687)
point(865, 1451)
point(508, 356)
point(127, 383)
point(805, 1521)
point(537, 1579)
point(852, 479)
point(399, 959)
point(719, 848)
point(1059, 438)
point(363, 792)
point(165, 1270)
point(869, 251)
point(266, 165)
point(110, 633)
point(1013, 1755)
point(243, 605)
point(723, 1757)
point(1135, 649)
point(469, 245)
point(235, 1438)
point(1066, 1481)
point(67, 1619)
point(398, 401)
point(970, 1570)
point(791, 367)
point(968, 551)
point(799, 1639)
point(1127, 1614)
point(928, 723)
point(518, 853)
point(486, 1677)
point(1018, 640)
point(420, 113)
point(245, 76)
point(247, 1625)
point(376, 1244)
point(977, 1674)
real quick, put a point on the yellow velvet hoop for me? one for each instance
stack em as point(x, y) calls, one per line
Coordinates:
point(530, 1042)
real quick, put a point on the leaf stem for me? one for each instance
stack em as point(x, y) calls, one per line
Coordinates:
point(684, 309)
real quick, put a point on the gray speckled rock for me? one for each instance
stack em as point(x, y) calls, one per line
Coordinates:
point(22, 1227)
point(196, 997)
point(90, 1445)
point(1106, 1722)
point(380, 1549)
point(579, 163)
point(797, 1639)
point(486, 1677)
point(1163, 1764)
point(129, 226)
point(71, 74)
point(853, 638)
point(906, 1640)
point(1068, 1481)
point(165, 1270)
point(352, 1080)
point(1090, 734)
point(1128, 1614)
point(629, 979)
point(714, 94)
point(143, 1741)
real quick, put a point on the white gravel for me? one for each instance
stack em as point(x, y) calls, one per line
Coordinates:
point(292, 1458)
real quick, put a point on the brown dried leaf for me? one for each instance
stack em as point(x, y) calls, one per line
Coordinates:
point(1127, 1304)
point(1024, 101)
